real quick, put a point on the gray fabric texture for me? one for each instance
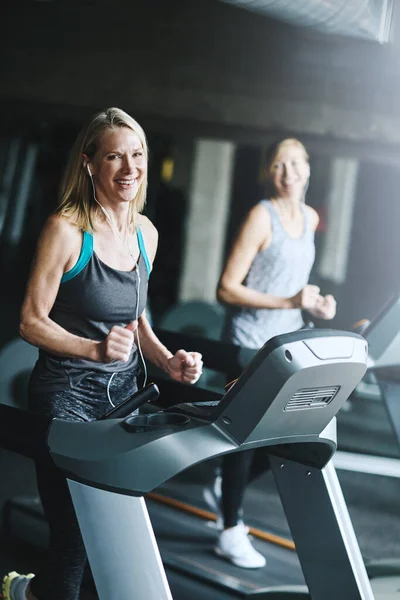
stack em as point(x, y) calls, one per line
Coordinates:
point(282, 269)
point(89, 305)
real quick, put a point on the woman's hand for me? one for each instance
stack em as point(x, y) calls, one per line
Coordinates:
point(325, 307)
point(118, 343)
point(306, 298)
point(185, 367)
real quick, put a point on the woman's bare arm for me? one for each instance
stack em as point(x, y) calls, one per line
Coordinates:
point(57, 251)
point(254, 235)
point(182, 366)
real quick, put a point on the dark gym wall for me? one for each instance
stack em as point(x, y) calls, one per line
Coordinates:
point(198, 61)
point(207, 69)
point(374, 266)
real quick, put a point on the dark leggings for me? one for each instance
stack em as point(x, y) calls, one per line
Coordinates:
point(62, 573)
point(238, 470)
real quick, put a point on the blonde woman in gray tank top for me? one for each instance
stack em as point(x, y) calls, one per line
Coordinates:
point(265, 287)
point(85, 309)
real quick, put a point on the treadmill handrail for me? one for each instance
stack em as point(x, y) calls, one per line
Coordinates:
point(230, 358)
point(252, 413)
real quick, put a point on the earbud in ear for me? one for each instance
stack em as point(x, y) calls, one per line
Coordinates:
point(89, 171)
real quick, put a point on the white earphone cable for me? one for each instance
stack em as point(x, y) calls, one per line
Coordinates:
point(108, 390)
point(126, 245)
point(137, 330)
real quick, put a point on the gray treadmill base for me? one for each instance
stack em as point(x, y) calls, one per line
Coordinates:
point(386, 588)
point(284, 593)
point(383, 568)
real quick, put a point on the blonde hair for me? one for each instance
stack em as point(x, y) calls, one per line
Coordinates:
point(76, 193)
point(273, 149)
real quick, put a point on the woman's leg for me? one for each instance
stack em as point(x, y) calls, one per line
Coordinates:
point(236, 470)
point(260, 463)
point(62, 573)
point(233, 543)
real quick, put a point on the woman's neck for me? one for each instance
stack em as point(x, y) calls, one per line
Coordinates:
point(117, 217)
point(289, 206)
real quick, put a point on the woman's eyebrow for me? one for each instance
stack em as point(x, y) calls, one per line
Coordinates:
point(122, 151)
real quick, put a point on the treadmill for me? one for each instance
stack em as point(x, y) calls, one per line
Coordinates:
point(286, 399)
point(383, 336)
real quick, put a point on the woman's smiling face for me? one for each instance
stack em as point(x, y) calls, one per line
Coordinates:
point(290, 170)
point(119, 165)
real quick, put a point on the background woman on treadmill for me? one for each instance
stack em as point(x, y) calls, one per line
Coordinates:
point(265, 287)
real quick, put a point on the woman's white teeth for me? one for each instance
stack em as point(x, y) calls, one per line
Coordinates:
point(126, 181)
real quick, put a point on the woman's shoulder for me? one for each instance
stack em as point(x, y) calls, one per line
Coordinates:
point(59, 243)
point(256, 229)
point(150, 235)
point(265, 202)
point(147, 227)
point(62, 228)
point(259, 214)
point(312, 215)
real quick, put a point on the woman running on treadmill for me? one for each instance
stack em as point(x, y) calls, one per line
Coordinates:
point(85, 310)
point(265, 287)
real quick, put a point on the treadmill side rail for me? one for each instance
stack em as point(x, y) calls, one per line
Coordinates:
point(120, 544)
point(322, 531)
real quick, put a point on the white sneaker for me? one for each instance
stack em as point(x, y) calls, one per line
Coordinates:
point(234, 545)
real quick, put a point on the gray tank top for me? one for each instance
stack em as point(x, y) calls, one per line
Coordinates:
point(92, 298)
point(282, 269)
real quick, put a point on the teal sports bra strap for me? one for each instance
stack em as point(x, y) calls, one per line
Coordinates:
point(84, 257)
point(143, 252)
